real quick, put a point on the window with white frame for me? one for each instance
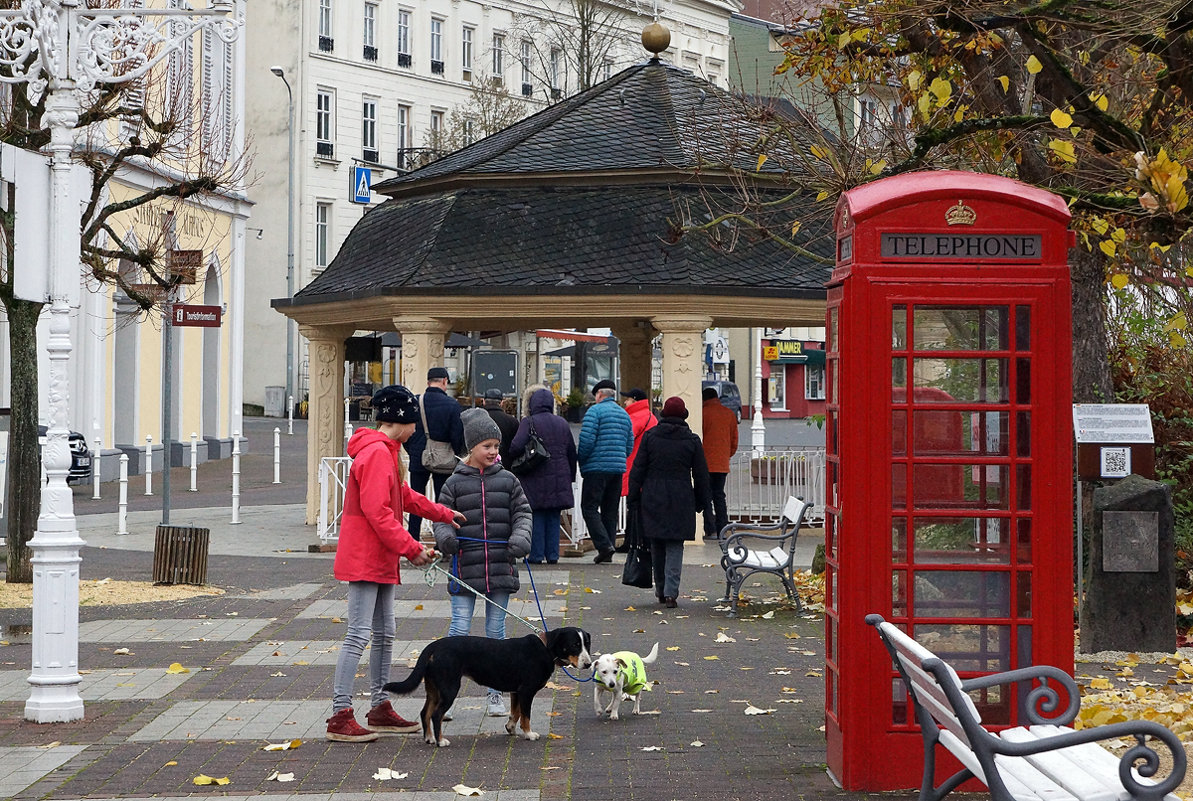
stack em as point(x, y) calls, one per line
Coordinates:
point(498, 56)
point(776, 387)
point(814, 382)
point(555, 66)
point(869, 129)
point(524, 58)
point(325, 123)
point(469, 131)
point(437, 118)
point(322, 234)
point(606, 69)
point(218, 113)
point(404, 136)
point(404, 57)
point(368, 130)
point(466, 37)
point(326, 42)
point(436, 46)
point(370, 32)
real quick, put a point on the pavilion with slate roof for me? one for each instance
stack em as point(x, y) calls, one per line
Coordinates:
point(569, 218)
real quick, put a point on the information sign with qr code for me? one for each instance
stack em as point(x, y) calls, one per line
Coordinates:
point(1116, 462)
point(1114, 440)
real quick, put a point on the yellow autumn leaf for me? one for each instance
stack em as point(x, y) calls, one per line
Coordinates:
point(1063, 150)
point(1101, 103)
point(914, 78)
point(1034, 66)
point(877, 166)
point(672, 647)
point(1176, 340)
point(201, 779)
point(843, 40)
point(925, 104)
point(795, 226)
point(959, 114)
point(712, 658)
point(761, 160)
point(171, 762)
point(1178, 198)
point(176, 667)
point(821, 195)
point(817, 151)
point(941, 89)
point(1119, 235)
point(1006, 83)
point(1100, 225)
point(1118, 281)
point(1061, 119)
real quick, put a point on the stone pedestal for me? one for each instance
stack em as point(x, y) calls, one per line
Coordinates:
point(1130, 590)
point(325, 432)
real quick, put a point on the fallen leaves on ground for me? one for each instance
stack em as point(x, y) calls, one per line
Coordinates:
point(201, 779)
point(286, 746)
point(279, 777)
point(753, 710)
point(106, 592)
point(464, 789)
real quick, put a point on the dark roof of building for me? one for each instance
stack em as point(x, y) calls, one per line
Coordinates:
point(577, 239)
point(649, 117)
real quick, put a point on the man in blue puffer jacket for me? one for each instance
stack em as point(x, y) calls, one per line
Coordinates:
point(606, 440)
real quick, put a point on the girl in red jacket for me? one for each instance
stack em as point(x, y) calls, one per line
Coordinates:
point(372, 540)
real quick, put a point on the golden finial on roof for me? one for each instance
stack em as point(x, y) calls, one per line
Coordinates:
point(656, 38)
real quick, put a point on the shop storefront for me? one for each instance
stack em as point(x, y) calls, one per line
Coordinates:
point(792, 378)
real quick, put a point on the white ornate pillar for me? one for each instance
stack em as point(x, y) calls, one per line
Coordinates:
point(422, 348)
point(325, 425)
point(683, 360)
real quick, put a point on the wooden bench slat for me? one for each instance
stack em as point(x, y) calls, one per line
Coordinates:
point(1094, 759)
point(1074, 767)
point(1022, 780)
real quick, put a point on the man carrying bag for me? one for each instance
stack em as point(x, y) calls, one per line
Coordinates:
point(437, 438)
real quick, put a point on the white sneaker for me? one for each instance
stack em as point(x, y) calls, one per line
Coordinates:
point(496, 707)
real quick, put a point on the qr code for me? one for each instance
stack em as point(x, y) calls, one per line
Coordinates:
point(1116, 462)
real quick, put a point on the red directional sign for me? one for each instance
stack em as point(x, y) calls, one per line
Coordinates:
point(205, 316)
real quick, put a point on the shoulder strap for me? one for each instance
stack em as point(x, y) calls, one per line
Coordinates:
point(422, 412)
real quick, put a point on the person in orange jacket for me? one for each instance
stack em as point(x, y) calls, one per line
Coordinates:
point(720, 443)
point(372, 540)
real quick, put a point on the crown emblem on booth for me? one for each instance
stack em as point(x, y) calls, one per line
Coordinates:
point(960, 214)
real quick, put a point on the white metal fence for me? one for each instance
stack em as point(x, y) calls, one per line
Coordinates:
point(757, 488)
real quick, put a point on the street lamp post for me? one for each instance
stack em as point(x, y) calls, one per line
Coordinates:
point(281, 73)
point(62, 49)
point(757, 426)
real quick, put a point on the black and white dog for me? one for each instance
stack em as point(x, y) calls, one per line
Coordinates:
point(520, 666)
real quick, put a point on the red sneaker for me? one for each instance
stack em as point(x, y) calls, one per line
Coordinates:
point(383, 718)
point(343, 728)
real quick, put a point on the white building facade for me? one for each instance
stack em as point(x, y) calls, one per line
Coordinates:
point(373, 85)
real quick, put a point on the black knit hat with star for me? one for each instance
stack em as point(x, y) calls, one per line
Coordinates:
point(395, 404)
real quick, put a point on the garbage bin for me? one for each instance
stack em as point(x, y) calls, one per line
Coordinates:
point(180, 555)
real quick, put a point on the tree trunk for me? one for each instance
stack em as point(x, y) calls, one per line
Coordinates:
point(1091, 364)
point(24, 458)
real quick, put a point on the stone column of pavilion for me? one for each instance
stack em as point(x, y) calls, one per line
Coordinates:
point(422, 348)
point(325, 412)
point(634, 352)
point(683, 366)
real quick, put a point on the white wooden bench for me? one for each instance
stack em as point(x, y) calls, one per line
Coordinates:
point(1043, 761)
point(747, 548)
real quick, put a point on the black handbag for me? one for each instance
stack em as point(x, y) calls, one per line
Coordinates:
point(637, 571)
point(533, 456)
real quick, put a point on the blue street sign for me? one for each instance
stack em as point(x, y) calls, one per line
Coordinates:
point(362, 179)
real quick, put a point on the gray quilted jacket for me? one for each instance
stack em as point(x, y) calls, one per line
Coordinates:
point(496, 532)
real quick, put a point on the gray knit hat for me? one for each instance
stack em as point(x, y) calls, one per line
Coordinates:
point(478, 427)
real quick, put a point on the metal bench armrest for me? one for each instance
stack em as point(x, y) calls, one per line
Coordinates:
point(1044, 701)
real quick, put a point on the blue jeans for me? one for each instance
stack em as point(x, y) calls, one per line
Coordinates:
point(600, 497)
point(544, 535)
point(666, 562)
point(418, 482)
point(463, 605)
point(370, 612)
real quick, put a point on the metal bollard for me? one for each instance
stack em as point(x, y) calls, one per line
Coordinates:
point(99, 446)
point(290, 415)
point(148, 465)
point(194, 462)
point(122, 526)
point(277, 456)
point(235, 477)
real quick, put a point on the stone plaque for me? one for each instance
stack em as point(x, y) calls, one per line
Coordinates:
point(1130, 542)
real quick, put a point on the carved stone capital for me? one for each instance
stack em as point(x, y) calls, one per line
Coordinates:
point(418, 324)
point(681, 323)
point(326, 333)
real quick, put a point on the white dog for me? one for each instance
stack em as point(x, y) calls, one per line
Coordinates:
point(623, 674)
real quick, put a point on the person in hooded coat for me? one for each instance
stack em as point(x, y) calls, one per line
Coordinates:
point(549, 486)
point(669, 481)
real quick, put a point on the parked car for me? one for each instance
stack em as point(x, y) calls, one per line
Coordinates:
point(80, 455)
point(730, 397)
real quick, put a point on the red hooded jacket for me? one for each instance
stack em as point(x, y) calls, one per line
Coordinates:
point(642, 419)
point(372, 534)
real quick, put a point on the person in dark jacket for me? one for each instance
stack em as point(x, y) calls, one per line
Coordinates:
point(506, 423)
point(548, 487)
point(495, 532)
point(443, 420)
point(669, 479)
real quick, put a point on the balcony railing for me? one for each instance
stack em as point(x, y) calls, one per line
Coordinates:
point(436, 67)
point(370, 53)
point(325, 150)
point(527, 90)
point(326, 44)
point(404, 60)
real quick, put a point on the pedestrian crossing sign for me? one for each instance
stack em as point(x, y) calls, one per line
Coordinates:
point(362, 179)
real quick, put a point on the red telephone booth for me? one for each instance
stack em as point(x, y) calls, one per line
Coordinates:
point(949, 508)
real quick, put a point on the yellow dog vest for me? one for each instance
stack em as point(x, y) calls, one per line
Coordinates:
point(632, 673)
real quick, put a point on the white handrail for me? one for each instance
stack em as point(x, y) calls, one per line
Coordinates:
point(333, 480)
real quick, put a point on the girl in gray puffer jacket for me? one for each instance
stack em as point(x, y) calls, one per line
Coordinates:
point(495, 532)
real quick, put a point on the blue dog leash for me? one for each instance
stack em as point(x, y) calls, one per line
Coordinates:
point(430, 579)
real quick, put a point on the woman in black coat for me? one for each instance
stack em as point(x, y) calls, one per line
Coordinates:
point(669, 478)
point(549, 487)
